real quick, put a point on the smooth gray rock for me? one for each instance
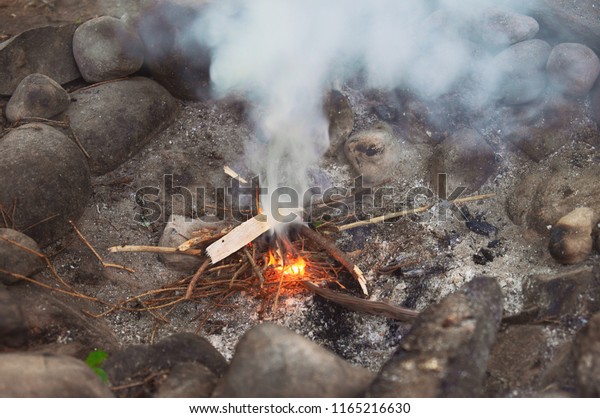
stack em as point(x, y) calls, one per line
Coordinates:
point(138, 361)
point(49, 181)
point(446, 351)
point(188, 380)
point(567, 21)
point(47, 50)
point(56, 324)
point(37, 96)
point(105, 48)
point(272, 361)
point(25, 375)
point(573, 68)
point(115, 120)
point(466, 158)
point(517, 75)
point(500, 27)
point(177, 61)
point(372, 153)
point(16, 259)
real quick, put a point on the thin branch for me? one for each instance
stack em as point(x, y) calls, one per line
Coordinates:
point(195, 278)
point(261, 278)
point(104, 264)
point(152, 249)
point(361, 305)
point(407, 212)
point(340, 256)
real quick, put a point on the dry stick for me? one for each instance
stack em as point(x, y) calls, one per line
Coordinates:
point(394, 215)
point(104, 264)
point(328, 246)
point(361, 305)
point(151, 249)
point(237, 274)
point(37, 223)
point(43, 257)
point(54, 289)
point(195, 278)
point(261, 278)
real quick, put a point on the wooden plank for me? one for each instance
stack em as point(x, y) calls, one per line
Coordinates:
point(240, 235)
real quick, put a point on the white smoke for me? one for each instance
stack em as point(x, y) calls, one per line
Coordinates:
point(285, 54)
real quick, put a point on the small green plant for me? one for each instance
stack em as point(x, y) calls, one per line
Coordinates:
point(95, 360)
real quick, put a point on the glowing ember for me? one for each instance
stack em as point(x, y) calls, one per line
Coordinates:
point(292, 266)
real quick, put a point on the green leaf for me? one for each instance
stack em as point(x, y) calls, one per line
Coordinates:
point(96, 358)
point(101, 373)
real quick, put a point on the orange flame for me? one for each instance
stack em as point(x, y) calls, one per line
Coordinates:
point(292, 266)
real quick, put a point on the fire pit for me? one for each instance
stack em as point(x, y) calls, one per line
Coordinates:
point(423, 205)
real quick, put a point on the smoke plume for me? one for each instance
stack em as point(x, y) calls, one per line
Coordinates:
point(284, 55)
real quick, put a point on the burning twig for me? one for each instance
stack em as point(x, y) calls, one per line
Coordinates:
point(407, 212)
point(361, 305)
point(261, 278)
point(341, 257)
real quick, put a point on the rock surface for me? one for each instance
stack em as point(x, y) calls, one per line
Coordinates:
point(137, 362)
point(46, 50)
point(568, 297)
point(272, 361)
point(587, 355)
point(57, 324)
point(467, 160)
point(446, 351)
point(115, 120)
point(372, 153)
point(178, 230)
point(573, 68)
point(524, 357)
point(177, 62)
point(518, 73)
point(37, 96)
point(542, 197)
point(16, 259)
point(50, 181)
point(188, 380)
point(499, 27)
point(105, 48)
point(13, 332)
point(24, 375)
point(341, 120)
point(571, 238)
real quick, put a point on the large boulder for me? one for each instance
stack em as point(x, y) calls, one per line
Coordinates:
point(115, 120)
point(175, 59)
point(49, 181)
point(446, 351)
point(272, 361)
point(37, 96)
point(517, 75)
point(105, 48)
point(47, 50)
point(573, 68)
